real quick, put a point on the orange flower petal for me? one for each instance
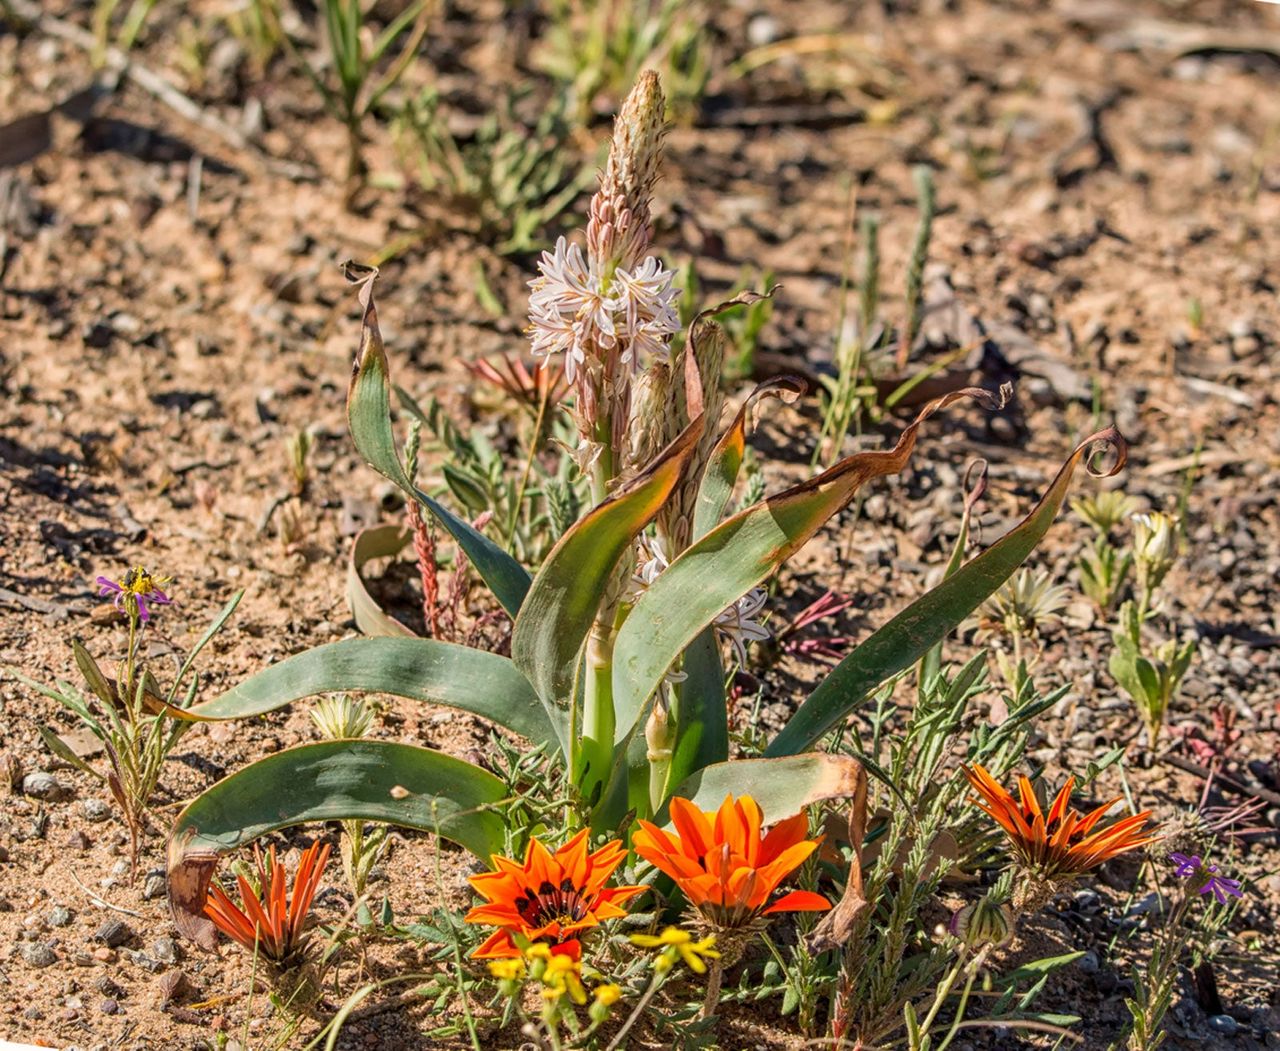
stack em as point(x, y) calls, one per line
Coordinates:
point(784, 834)
point(498, 946)
point(799, 901)
point(693, 827)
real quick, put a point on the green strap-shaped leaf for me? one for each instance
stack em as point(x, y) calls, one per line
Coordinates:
point(562, 603)
point(369, 413)
point(377, 542)
point(470, 680)
point(782, 787)
point(909, 635)
point(734, 557)
point(398, 784)
point(974, 487)
point(721, 473)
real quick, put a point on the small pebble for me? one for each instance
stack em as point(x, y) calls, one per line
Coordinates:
point(1224, 1024)
point(141, 959)
point(1087, 900)
point(96, 809)
point(38, 954)
point(59, 916)
point(103, 955)
point(1089, 962)
point(109, 1007)
point(1147, 903)
point(154, 886)
point(165, 950)
point(113, 933)
point(40, 785)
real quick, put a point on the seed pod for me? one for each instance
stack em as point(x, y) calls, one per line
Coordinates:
point(983, 923)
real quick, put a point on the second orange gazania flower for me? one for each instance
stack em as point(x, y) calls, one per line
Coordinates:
point(725, 866)
point(271, 919)
point(1061, 843)
point(549, 898)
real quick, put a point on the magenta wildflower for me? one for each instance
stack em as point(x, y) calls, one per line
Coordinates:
point(1203, 876)
point(135, 591)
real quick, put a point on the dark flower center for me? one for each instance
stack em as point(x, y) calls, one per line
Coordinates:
point(563, 904)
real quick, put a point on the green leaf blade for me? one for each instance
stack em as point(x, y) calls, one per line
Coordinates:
point(369, 415)
point(383, 781)
point(731, 559)
point(561, 606)
point(460, 677)
point(910, 635)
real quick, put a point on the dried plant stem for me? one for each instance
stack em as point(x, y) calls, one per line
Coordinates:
point(715, 977)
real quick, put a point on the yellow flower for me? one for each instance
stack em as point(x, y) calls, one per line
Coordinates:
point(507, 970)
point(678, 945)
point(608, 995)
point(604, 997)
point(563, 975)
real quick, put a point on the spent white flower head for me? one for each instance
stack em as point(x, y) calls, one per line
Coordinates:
point(1023, 604)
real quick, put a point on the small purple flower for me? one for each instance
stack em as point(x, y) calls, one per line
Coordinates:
point(134, 592)
point(1221, 887)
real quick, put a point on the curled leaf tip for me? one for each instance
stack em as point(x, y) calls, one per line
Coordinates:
point(975, 482)
point(1097, 444)
point(357, 273)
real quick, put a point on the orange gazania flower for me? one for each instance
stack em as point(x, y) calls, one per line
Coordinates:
point(273, 919)
point(726, 869)
point(549, 898)
point(1060, 844)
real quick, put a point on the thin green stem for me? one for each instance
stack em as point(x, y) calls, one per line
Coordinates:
point(655, 983)
point(960, 1009)
point(597, 708)
point(534, 442)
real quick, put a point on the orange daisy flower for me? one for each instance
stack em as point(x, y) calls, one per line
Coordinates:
point(272, 920)
point(549, 898)
point(1060, 844)
point(726, 869)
